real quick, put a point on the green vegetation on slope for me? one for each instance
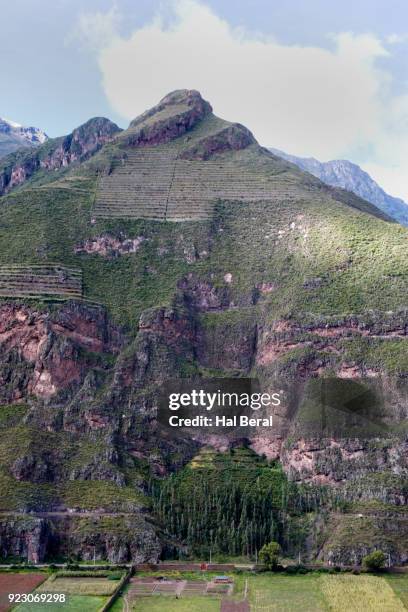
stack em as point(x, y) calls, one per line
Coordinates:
point(233, 504)
point(323, 256)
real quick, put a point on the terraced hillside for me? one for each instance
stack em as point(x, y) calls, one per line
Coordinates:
point(139, 187)
point(183, 179)
point(201, 255)
point(154, 183)
point(40, 281)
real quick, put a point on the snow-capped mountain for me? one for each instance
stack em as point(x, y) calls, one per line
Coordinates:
point(345, 174)
point(13, 136)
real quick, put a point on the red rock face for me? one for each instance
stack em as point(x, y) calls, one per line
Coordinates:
point(232, 138)
point(334, 461)
point(51, 349)
point(175, 114)
point(283, 336)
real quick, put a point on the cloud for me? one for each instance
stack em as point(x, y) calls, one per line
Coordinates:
point(328, 103)
point(397, 39)
point(97, 30)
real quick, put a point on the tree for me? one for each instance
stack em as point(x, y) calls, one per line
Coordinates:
point(269, 555)
point(375, 561)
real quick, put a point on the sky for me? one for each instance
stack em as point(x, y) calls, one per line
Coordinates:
point(311, 77)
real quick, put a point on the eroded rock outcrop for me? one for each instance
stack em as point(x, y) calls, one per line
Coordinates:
point(119, 539)
point(175, 114)
point(337, 461)
point(24, 537)
point(231, 138)
point(45, 354)
point(110, 246)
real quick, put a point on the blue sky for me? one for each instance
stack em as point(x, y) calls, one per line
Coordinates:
point(313, 77)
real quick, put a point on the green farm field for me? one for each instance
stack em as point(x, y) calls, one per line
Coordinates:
point(84, 593)
point(79, 586)
point(74, 603)
point(312, 592)
point(185, 604)
point(331, 593)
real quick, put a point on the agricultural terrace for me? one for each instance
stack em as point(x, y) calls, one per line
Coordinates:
point(40, 281)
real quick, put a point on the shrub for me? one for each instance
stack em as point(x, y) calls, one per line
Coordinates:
point(375, 561)
point(269, 555)
point(297, 569)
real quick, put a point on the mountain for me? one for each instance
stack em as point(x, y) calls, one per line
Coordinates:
point(346, 175)
point(14, 136)
point(56, 153)
point(179, 249)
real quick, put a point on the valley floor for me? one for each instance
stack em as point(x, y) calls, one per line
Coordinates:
point(282, 593)
point(198, 591)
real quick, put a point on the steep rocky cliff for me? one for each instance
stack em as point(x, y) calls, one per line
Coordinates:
point(200, 254)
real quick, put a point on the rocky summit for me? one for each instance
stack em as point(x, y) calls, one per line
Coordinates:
point(14, 136)
point(181, 248)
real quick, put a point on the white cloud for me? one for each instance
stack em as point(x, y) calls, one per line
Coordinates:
point(97, 30)
point(397, 39)
point(305, 100)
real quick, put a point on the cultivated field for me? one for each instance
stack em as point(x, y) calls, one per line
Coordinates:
point(312, 592)
point(186, 604)
point(35, 281)
point(331, 593)
point(279, 593)
point(78, 585)
point(74, 603)
point(399, 584)
point(369, 593)
point(17, 583)
point(152, 183)
point(191, 592)
point(84, 593)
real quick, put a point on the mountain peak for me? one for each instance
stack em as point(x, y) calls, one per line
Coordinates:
point(13, 136)
point(174, 102)
point(99, 128)
point(83, 142)
point(8, 123)
point(175, 114)
point(348, 175)
point(190, 97)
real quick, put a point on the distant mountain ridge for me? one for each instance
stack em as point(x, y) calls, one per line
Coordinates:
point(343, 173)
point(13, 136)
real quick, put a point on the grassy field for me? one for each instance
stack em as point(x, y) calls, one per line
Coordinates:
point(333, 593)
point(83, 593)
point(185, 604)
point(286, 593)
point(312, 592)
point(347, 593)
point(399, 584)
point(74, 603)
point(79, 586)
